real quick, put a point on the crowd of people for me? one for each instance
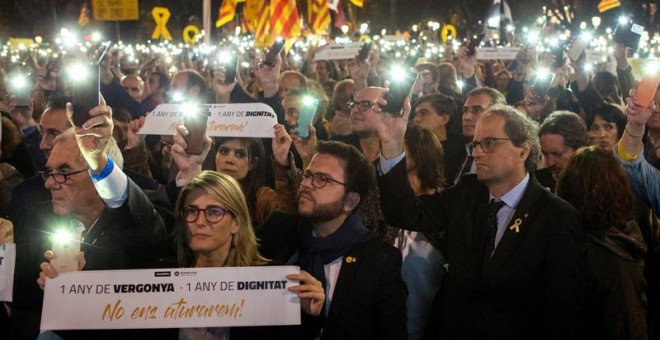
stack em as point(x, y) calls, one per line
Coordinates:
point(489, 206)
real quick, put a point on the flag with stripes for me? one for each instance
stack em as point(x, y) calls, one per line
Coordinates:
point(284, 21)
point(358, 3)
point(606, 5)
point(226, 12)
point(261, 35)
point(250, 18)
point(318, 15)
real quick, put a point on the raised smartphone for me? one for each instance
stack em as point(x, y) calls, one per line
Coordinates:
point(474, 43)
point(629, 34)
point(195, 122)
point(306, 116)
point(66, 255)
point(86, 93)
point(399, 90)
point(273, 51)
point(363, 55)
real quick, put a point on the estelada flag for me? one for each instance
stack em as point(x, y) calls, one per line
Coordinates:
point(318, 15)
point(284, 21)
point(226, 12)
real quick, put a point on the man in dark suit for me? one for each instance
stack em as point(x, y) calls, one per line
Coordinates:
point(365, 295)
point(512, 248)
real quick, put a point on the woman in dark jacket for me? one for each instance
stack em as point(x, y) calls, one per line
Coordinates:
point(595, 184)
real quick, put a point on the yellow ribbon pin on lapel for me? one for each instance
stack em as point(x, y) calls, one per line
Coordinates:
point(516, 225)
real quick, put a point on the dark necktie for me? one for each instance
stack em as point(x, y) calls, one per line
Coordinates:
point(491, 227)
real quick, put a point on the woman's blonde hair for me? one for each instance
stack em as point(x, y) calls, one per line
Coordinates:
point(226, 190)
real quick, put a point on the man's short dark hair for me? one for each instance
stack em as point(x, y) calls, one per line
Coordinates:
point(163, 80)
point(57, 101)
point(195, 79)
point(428, 67)
point(496, 97)
point(441, 104)
point(568, 125)
point(360, 174)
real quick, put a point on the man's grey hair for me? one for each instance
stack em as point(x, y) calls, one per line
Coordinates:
point(496, 97)
point(520, 128)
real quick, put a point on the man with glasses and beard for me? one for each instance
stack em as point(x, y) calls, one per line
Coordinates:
point(361, 275)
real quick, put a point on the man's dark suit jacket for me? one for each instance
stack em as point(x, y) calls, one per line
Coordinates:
point(369, 299)
point(531, 288)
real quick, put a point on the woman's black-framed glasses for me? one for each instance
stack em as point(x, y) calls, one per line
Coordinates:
point(60, 178)
point(212, 214)
point(319, 180)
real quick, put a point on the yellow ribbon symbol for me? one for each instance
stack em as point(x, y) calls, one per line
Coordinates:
point(446, 31)
point(190, 34)
point(161, 16)
point(516, 225)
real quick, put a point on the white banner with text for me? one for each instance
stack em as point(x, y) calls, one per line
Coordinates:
point(224, 120)
point(171, 298)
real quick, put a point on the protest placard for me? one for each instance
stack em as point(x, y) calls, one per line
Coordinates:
point(7, 266)
point(171, 298)
point(225, 120)
point(338, 51)
point(497, 53)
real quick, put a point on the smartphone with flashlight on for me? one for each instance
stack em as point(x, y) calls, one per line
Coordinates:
point(66, 248)
point(472, 45)
point(558, 51)
point(21, 87)
point(229, 63)
point(629, 34)
point(306, 116)
point(540, 86)
point(87, 86)
point(273, 51)
point(195, 121)
point(400, 87)
point(363, 55)
point(86, 92)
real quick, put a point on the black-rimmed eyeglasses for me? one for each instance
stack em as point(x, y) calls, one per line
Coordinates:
point(487, 145)
point(362, 105)
point(60, 178)
point(319, 180)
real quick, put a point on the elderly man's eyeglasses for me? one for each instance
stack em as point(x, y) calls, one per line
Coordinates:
point(212, 214)
point(319, 180)
point(487, 145)
point(362, 105)
point(59, 177)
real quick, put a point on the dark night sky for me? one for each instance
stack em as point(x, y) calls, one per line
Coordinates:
point(17, 17)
